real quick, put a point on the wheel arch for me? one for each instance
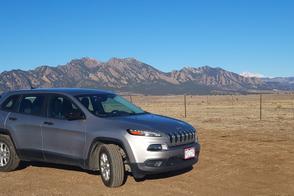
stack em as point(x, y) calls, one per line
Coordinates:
point(92, 154)
point(6, 132)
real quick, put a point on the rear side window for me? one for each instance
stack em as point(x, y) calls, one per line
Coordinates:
point(10, 104)
point(32, 105)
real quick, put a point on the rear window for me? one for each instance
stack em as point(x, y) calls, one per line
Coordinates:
point(10, 104)
point(32, 105)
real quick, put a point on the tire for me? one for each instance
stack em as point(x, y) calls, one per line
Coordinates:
point(111, 166)
point(9, 160)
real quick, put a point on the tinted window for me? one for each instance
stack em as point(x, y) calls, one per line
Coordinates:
point(10, 104)
point(86, 101)
point(32, 104)
point(60, 107)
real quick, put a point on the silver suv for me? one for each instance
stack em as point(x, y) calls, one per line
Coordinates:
point(95, 130)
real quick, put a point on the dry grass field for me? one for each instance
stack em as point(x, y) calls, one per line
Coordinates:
point(241, 154)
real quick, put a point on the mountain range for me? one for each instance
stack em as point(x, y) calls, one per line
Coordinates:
point(133, 76)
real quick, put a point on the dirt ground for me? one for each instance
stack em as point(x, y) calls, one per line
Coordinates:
point(240, 155)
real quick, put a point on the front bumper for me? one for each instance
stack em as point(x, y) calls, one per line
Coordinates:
point(172, 160)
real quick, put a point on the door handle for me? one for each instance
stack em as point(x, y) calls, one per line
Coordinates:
point(48, 123)
point(12, 118)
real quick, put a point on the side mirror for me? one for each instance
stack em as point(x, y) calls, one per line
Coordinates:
point(75, 115)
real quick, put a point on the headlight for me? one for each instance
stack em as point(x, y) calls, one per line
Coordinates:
point(196, 136)
point(143, 133)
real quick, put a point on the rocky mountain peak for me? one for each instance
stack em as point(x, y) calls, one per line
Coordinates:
point(85, 61)
point(130, 74)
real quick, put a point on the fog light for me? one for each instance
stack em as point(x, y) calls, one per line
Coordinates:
point(157, 147)
point(153, 163)
point(157, 163)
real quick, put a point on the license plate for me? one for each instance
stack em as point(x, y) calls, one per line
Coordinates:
point(189, 153)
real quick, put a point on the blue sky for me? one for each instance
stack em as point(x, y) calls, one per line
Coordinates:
point(249, 35)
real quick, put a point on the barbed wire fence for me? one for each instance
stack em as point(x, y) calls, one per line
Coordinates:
point(254, 106)
point(214, 107)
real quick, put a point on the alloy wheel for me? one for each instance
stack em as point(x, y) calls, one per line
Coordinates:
point(4, 154)
point(105, 166)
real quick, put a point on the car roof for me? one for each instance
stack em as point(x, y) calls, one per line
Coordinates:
point(70, 91)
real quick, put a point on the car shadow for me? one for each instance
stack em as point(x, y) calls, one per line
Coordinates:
point(169, 174)
point(165, 175)
point(24, 165)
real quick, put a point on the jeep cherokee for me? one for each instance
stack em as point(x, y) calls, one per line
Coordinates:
point(92, 129)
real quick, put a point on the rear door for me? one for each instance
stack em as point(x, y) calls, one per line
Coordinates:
point(8, 105)
point(63, 139)
point(25, 124)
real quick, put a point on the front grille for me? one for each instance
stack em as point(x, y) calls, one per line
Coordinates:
point(182, 137)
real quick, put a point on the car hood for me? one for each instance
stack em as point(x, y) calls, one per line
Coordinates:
point(154, 122)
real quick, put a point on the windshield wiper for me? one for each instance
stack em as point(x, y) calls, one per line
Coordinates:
point(138, 113)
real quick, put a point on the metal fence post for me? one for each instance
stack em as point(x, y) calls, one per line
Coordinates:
point(185, 105)
point(293, 108)
point(207, 106)
point(131, 99)
point(260, 107)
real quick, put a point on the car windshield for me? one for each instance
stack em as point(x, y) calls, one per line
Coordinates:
point(108, 105)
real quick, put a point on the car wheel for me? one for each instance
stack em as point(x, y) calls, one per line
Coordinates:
point(111, 166)
point(9, 160)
